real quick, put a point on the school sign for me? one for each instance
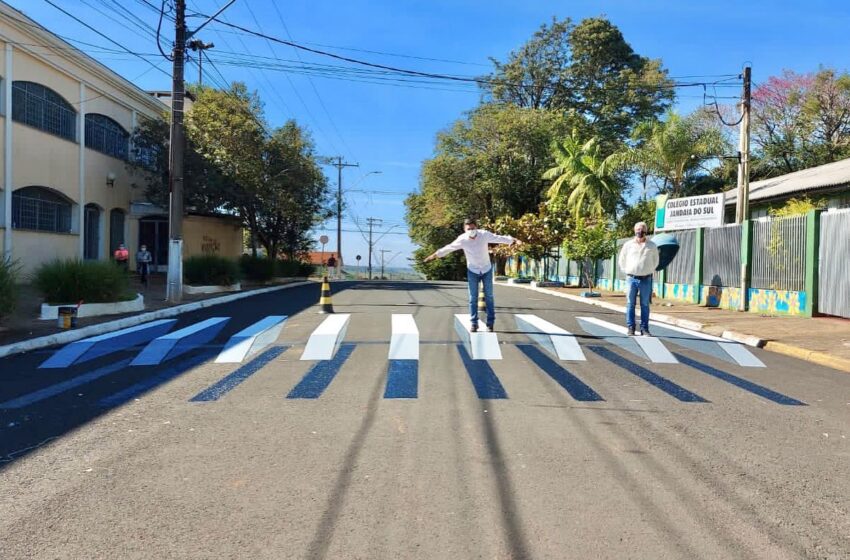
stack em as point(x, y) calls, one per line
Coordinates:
point(688, 213)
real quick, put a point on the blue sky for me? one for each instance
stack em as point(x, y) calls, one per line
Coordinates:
point(392, 129)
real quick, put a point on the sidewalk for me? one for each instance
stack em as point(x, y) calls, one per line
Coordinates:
point(822, 340)
point(24, 323)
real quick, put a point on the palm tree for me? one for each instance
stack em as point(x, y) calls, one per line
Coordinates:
point(584, 182)
point(672, 149)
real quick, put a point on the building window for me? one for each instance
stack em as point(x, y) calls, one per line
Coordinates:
point(40, 209)
point(106, 136)
point(43, 108)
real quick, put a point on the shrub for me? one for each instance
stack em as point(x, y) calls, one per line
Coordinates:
point(210, 270)
point(260, 269)
point(73, 280)
point(289, 269)
point(8, 287)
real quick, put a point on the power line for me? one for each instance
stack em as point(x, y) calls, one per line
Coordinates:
point(465, 79)
point(315, 90)
point(292, 85)
point(81, 22)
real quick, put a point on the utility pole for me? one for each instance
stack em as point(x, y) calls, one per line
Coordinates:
point(177, 145)
point(339, 164)
point(743, 209)
point(372, 222)
point(744, 150)
point(199, 46)
point(174, 289)
point(383, 251)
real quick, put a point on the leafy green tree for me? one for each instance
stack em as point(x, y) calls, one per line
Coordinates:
point(584, 182)
point(487, 165)
point(539, 232)
point(205, 189)
point(227, 130)
point(640, 211)
point(587, 71)
point(294, 195)
point(589, 241)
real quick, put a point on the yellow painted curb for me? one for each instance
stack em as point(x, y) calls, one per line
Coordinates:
point(819, 358)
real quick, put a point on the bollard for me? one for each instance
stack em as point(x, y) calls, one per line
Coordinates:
point(482, 304)
point(67, 317)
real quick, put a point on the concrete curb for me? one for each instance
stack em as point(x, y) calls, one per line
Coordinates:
point(813, 356)
point(102, 328)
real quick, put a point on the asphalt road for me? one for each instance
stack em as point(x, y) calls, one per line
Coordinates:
point(614, 457)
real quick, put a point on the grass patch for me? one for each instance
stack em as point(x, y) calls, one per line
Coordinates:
point(71, 281)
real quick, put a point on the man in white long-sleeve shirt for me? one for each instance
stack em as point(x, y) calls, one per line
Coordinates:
point(638, 259)
point(474, 243)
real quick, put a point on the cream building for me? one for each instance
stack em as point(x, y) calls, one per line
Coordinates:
point(66, 190)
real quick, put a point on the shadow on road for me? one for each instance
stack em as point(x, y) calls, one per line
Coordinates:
point(34, 413)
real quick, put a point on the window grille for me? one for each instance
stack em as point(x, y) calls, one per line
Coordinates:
point(106, 136)
point(41, 107)
point(39, 209)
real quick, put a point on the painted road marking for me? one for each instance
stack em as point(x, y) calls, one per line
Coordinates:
point(654, 379)
point(53, 390)
point(402, 379)
point(644, 346)
point(480, 345)
point(573, 385)
point(487, 385)
point(251, 340)
point(734, 350)
point(742, 383)
point(218, 390)
point(326, 339)
point(161, 377)
point(101, 345)
point(174, 344)
point(404, 341)
point(554, 339)
point(315, 381)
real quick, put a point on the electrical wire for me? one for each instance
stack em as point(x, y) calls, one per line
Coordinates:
point(81, 22)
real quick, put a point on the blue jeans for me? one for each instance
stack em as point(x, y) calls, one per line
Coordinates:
point(487, 278)
point(635, 286)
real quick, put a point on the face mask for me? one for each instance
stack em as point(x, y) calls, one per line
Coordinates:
point(640, 234)
point(473, 233)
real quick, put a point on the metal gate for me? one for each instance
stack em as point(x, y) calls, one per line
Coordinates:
point(834, 269)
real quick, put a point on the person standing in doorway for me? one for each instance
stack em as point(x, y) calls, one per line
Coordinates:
point(122, 257)
point(474, 243)
point(638, 259)
point(143, 263)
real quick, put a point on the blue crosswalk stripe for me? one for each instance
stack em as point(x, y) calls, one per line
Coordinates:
point(672, 389)
point(573, 385)
point(487, 385)
point(218, 390)
point(315, 381)
point(754, 388)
